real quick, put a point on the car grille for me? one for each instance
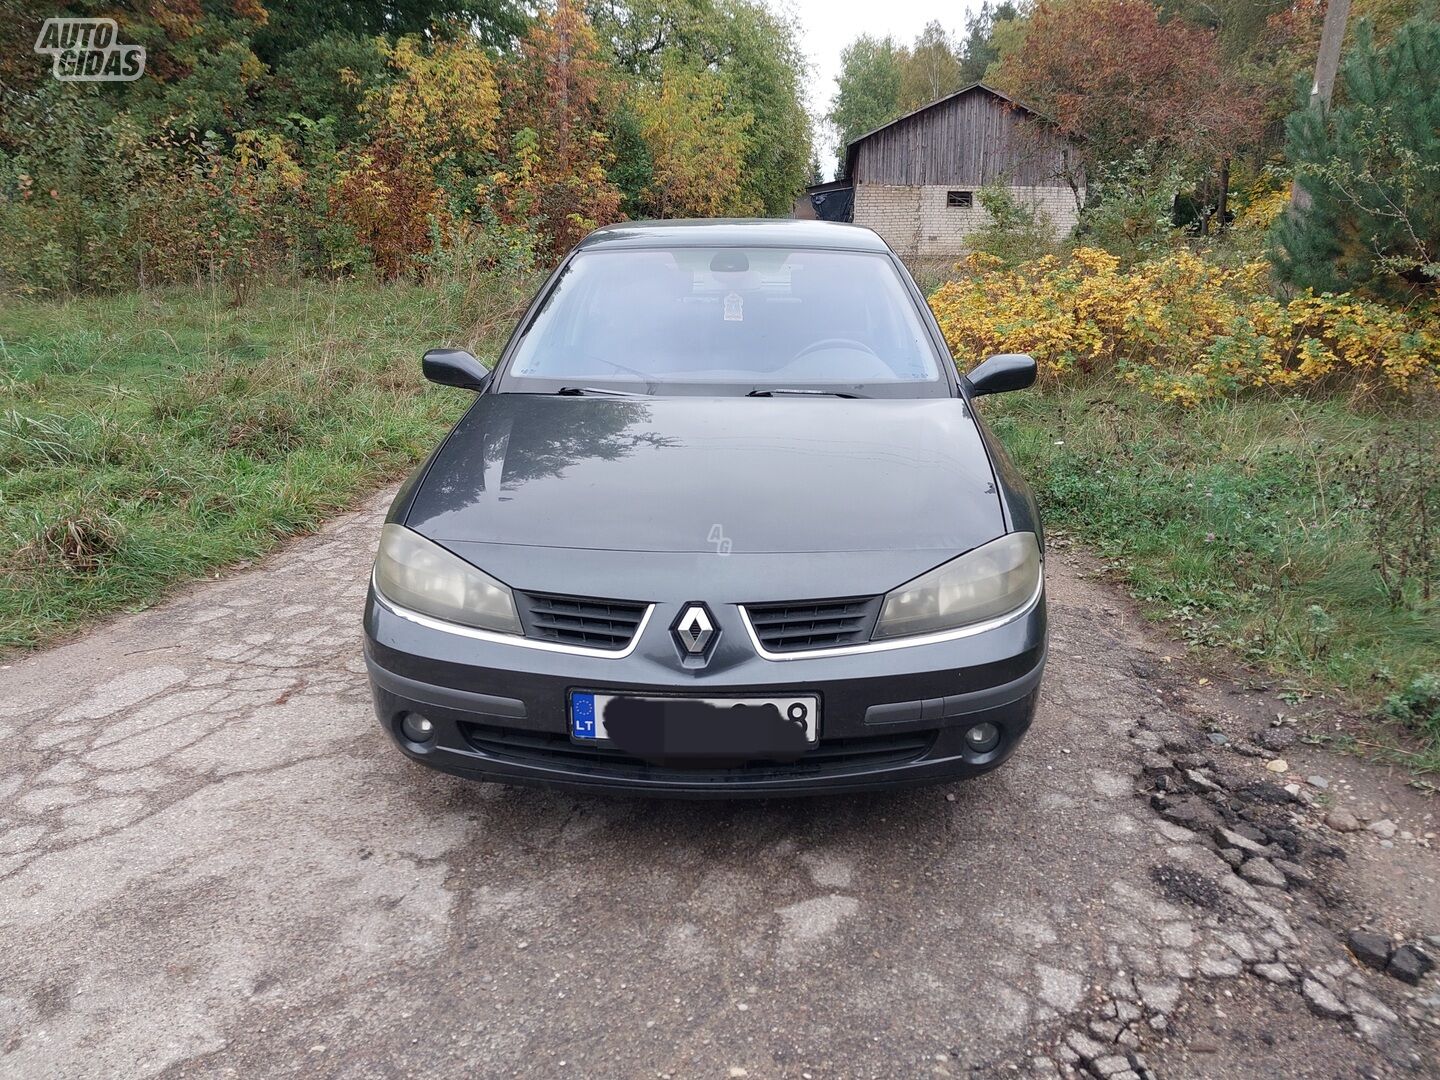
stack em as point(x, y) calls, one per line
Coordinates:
point(580, 620)
point(830, 756)
point(813, 624)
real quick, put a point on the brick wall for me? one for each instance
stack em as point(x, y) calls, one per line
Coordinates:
point(893, 212)
point(917, 223)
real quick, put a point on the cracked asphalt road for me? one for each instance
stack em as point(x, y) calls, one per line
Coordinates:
point(212, 862)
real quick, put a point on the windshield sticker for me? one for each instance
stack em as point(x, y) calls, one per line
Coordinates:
point(734, 307)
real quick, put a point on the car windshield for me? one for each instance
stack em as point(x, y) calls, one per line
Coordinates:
point(746, 319)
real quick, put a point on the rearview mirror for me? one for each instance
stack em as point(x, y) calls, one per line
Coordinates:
point(1002, 372)
point(455, 367)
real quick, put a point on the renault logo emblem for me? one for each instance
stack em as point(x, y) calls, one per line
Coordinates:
point(694, 629)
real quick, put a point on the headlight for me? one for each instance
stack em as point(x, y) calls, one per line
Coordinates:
point(422, 576)
point(979, 585)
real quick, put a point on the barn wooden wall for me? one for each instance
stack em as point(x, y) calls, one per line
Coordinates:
point(969, 141)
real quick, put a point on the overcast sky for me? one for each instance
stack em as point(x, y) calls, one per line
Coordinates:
point(827, 26)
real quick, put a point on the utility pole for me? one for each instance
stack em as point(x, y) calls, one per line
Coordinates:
point(1332, 36)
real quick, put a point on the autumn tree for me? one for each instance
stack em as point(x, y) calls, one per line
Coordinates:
point(556, 100)
point(323, 136)
point(1241, 25)
point(1268, 48)
point(756, 52)
point(1129, 80)
point(696, 146)
point(444, 103)
point(432, 128)
point(1237, 24)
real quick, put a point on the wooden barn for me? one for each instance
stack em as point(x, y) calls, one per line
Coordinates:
point(916, 180)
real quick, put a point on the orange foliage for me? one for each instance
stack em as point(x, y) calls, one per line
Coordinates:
point(441, 110)
point(386, 196)
point(1114, 73)
point(556, 106)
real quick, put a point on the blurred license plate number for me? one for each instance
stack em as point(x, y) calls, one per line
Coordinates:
point(587, 712)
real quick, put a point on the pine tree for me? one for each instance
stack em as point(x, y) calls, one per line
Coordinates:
point(817, 171)
point(1372, 167)
point(978, 51)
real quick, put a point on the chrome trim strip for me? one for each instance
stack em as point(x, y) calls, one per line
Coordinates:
point(511, 639)
point(900, 642)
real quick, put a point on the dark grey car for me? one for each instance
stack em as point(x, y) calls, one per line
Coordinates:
point(722, 521)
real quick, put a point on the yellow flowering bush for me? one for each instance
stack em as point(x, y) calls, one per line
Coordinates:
point(1264, 202)
point(1183, 328)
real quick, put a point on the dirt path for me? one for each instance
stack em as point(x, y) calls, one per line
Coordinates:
point(212, 863)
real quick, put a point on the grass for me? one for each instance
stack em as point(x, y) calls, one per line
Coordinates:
point(1234, 522)
point(151, 439)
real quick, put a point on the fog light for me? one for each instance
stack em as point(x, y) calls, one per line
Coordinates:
point(416, 728)
point(982, 738)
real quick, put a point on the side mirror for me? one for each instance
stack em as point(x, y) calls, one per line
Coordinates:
point(1002, 372)
point(455, 367)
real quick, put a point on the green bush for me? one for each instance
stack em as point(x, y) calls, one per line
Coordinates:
point(1418, 704)
point(1132, 216)
point(1417, 708)
point(1013, 232)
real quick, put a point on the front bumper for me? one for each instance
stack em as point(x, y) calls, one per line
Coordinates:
point(888, 718)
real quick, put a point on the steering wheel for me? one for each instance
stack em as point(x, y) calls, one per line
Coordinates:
point(835, 343)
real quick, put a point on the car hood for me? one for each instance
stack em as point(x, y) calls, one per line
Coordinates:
point(711, 475)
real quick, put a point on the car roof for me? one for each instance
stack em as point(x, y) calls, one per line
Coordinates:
point(734, 232)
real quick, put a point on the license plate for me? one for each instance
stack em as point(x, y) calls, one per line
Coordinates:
point(587, 711)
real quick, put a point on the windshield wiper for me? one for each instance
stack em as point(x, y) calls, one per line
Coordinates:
point(787, 391)
point(583, 391)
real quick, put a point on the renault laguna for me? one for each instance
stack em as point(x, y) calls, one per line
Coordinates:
point(721, 520)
